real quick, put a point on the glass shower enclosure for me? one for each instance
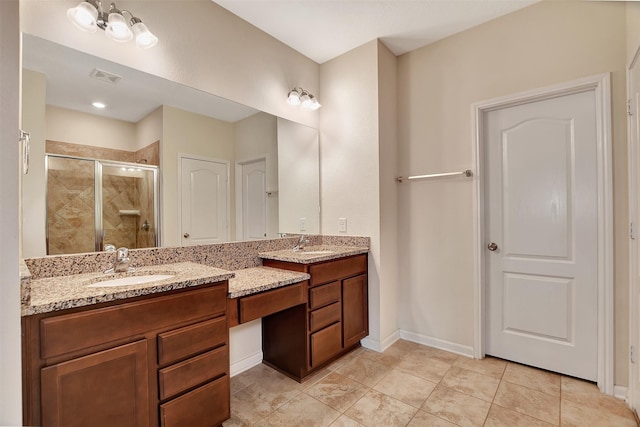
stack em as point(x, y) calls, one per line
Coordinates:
point(92, 203)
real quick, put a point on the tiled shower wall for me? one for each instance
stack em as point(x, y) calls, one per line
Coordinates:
point(71, 201)
point(70, 206)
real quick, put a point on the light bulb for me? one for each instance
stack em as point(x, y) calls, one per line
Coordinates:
point(293, 98)
point(84, 16)
point(314, 104)
point(305, 100)
point(144, 38)
point(117, 28)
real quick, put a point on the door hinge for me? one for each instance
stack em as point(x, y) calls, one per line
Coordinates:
point(632, 233)
point(629, 108)
point(632, 354)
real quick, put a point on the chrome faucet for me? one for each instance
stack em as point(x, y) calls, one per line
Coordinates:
point(122, 260)
point(121, 265)
point(301, 242)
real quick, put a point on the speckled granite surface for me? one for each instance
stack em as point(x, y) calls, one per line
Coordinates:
point(258, 279)
point(230, 256)
point(312, 254)
point(58, 293)
point(25, 288)
point(362, 242)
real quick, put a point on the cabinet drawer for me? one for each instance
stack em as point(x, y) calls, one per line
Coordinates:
point(193, 339)
point(206, 405)
point(324, 316)
point(325, 344)
point(339, 269)
point(197, 370)
point(323, 295)
point(76, 331)
point(261, 305)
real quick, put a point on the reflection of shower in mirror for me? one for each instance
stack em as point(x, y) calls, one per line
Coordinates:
point(95, 203)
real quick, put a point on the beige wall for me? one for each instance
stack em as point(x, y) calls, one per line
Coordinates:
point(194, 134)
point(547, 43)
point(33, 207)
point(89, 129)
point(149, 129)
point(633, 29)
point(10, 373)
point(298, 178)
point(350, 165)
point(388, 134)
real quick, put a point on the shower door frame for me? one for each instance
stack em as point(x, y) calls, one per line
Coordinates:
point(97, 182)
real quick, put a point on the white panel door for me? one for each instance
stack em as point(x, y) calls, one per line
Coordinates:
point(541, 229)
point(254, 200)
point(204, 194)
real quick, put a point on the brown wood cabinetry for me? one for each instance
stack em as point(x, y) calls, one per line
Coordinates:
point(110, 385)
point(159, 360)
point(301, 339)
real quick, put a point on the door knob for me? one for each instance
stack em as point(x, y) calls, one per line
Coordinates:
point(492, 246)
point(186, 235)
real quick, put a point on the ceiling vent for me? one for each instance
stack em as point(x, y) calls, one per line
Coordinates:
point(105, 76)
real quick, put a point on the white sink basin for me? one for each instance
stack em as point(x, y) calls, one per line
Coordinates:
point(130, 280)
point(324, 252)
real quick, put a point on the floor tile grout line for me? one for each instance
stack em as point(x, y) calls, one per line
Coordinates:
point(513, 409)
point(560, 404)
point(495, 393)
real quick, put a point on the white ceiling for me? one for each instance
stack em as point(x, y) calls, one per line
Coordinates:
point(325, 29)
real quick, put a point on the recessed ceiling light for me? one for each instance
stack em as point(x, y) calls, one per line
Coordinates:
point(99, 105)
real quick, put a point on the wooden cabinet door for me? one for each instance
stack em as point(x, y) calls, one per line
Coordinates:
point(108, 388)
point(355, 316)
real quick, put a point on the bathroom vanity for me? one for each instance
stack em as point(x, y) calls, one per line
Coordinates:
point(330, 322)
point(157, 353)
point(158, 359)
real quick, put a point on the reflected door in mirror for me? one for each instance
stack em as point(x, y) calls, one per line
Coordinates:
point(254, 200)
point(204, 201)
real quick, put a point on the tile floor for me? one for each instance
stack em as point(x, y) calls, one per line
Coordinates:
point(413, 385)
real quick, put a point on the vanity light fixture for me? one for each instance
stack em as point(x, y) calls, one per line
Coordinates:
point(303, 98)
point(89, 16)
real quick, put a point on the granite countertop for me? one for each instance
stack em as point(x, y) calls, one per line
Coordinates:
point(62, 292)
point(312, 254)
point(258, 279)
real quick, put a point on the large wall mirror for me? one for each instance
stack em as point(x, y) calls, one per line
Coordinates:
point(226, 172)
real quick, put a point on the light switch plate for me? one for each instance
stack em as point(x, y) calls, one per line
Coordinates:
point(342, 225)
point(302, 222)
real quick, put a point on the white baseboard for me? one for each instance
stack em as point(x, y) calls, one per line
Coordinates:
point(378, 346)
point(245, 364)
point(371, 344)
point(463, 350)
point(621, 392)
